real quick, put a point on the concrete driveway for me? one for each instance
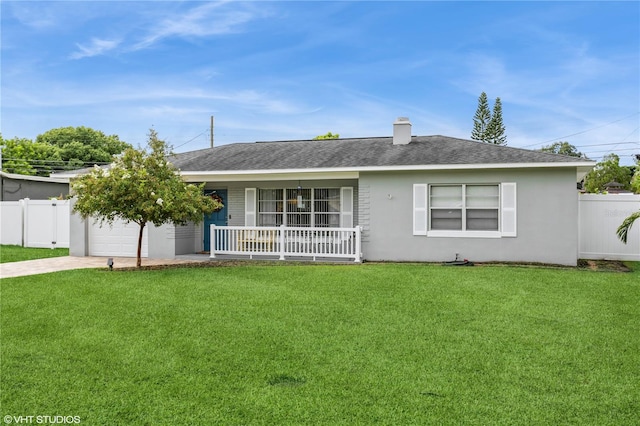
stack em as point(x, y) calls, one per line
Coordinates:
point(65, 263)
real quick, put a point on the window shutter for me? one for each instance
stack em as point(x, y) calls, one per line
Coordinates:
point(250, 207)
point(508, 209)
point(346, 207)
point(420, 209)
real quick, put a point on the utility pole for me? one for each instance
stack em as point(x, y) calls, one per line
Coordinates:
point(211, 131)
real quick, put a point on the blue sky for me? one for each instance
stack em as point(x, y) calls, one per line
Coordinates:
point(294, 70)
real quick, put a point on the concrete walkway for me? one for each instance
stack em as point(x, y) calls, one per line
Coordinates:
point(65, 263)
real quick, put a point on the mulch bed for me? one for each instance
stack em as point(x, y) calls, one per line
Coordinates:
point(593, 265)
point(604, 265)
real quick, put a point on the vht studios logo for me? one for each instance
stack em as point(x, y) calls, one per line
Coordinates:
point(42, 420)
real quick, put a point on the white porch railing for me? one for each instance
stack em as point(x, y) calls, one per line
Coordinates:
point(286, 241)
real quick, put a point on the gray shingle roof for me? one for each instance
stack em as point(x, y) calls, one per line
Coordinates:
point(358, 153)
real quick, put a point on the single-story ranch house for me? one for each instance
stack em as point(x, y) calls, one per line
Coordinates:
point(410, 198)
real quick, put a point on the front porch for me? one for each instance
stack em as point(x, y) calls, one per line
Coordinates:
point(286, 242)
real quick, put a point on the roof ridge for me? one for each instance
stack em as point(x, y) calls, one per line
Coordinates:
point(537, 151)
point(322, 140)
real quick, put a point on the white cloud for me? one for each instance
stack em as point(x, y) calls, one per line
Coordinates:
point(209, 19)
point(95, 48)
point(35, 16)
point(154, 94)
point(153, 26)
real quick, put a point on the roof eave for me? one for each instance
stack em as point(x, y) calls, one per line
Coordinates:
point(56, 179)
point(582, 168)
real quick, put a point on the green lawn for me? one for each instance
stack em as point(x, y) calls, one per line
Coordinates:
point(391, 344)
point(17, 253)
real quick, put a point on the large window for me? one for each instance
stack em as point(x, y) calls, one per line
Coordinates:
point(471, 210)
point(464, 207)
point(317, 207)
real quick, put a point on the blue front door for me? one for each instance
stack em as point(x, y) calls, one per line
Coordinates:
point(218, 218)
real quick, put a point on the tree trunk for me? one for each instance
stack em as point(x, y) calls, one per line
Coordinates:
point(139, 258)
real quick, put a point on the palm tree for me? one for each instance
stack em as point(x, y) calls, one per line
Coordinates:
point(623, 230)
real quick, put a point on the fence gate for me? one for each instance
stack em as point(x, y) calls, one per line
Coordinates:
point(599, 218)
point(35, 223)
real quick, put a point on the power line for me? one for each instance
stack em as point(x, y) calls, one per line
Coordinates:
point(632, 132)
point(617, 150)
point(584, 131)
point(45, 167)
point(607, 144)
point(601, 157)
point(35, 160)
point(192, 139)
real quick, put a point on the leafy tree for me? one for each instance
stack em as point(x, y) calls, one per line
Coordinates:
point(141, 186)
point(606, 171)
point(22, 156)
point(495, 128)
point(329, 135)
point(65, 148)
point(623, 229)
point(563, 148)
point(635, 180)
point(83, 144)
point(481, 119)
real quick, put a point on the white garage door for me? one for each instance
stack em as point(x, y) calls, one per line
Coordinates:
point(119, 240)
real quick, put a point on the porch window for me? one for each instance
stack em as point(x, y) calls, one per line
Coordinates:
point(327, 207)
point(299, 207)
point(270, 204)
point(315, 207)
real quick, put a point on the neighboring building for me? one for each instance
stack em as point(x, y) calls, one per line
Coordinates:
point(15, 187)
point(416, 198)
point(616, 188)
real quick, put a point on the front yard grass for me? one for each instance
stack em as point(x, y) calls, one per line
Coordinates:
point(9, 253)
point(323, 344)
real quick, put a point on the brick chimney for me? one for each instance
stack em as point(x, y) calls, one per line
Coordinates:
point(401, 131)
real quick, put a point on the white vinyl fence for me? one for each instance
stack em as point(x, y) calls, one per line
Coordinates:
point(599, 218)
point(35, 223)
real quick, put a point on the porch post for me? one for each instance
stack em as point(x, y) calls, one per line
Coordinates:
point(212, 241)
point(281, 240)
point(358, 245)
